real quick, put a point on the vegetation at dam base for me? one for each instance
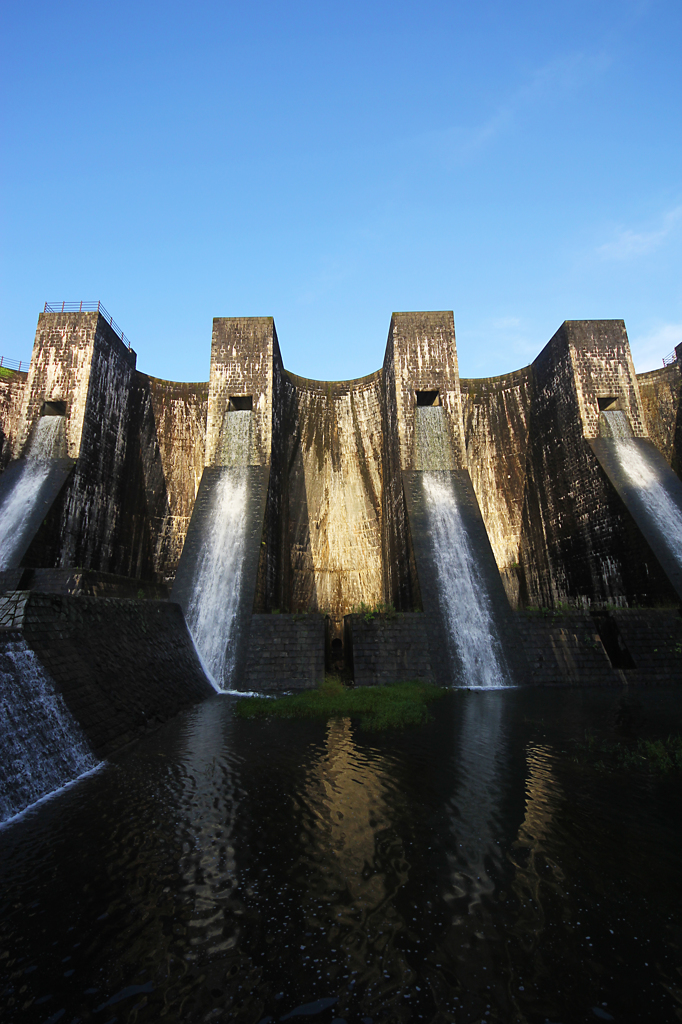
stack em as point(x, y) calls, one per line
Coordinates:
point(374, 707)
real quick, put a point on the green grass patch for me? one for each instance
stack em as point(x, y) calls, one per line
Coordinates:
point(656, 757)
point(374, 707)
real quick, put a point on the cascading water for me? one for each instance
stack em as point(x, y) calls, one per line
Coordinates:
point(465, 602)
point(46, 445)
point(43, 746)
point(216, 584)
point(663, 512)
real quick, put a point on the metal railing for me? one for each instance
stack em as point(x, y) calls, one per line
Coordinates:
point(87, 307)
point(13, 364)
point(672, 358)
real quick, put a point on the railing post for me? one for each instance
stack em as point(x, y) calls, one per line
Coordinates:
point(63, 307)
point(81, 307)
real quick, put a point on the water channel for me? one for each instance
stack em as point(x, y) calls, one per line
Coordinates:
point(468, 870)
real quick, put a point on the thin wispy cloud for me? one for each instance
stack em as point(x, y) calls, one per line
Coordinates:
point(565, 74)
point(628, 243)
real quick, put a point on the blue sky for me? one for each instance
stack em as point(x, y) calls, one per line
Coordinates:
point(327, 164)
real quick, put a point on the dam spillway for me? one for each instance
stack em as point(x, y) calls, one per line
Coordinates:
point(471, 635)
point(42, 743)
point(402, 525)
point(29, 488)
point(217, 574)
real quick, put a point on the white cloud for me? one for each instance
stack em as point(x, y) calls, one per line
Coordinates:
point(630, 243)
point(649, 350)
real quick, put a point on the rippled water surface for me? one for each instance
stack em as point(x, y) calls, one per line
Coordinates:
point(469, 870)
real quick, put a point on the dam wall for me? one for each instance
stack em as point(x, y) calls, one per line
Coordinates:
point(12, 387)
point(80, 369)
point(661, 394)
point(170, 435)
point(311, 497)
point(496, 415)
point(332, 491)
point(579, 544)
point(122, 666)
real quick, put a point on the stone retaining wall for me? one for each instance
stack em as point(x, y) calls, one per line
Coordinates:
point(122, 666)
point(285, 652)
point(572, 648)
point(388, 649)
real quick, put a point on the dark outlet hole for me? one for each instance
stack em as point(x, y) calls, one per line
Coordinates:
point(608, 403)
point(53, 409)
point(428, 398)
point(240, 403)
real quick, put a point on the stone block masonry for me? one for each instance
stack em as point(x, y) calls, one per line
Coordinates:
point(12, 387)
point(636, 646)
point(388, 648)
point(122, 666)
point(285, 652)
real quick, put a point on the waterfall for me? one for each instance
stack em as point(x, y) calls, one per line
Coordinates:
point(216, 582)
point(662, 511)
point(43, 746)
point(465, 603)
point(47, 444)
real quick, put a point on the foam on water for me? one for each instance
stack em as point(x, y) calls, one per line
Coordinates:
point(662, 510)
point(216, 587)
point(43, 746)
point(16, 508)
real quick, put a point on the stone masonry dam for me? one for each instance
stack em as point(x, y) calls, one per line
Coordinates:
point(159, 540)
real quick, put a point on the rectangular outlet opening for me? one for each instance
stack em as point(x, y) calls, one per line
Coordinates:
point(608, 403)
point(428, 397)
point(53, 409)
point(240, 403)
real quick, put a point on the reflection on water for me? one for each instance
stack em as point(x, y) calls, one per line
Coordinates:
point(253, 871)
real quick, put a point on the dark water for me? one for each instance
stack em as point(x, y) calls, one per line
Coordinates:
point(249, 871)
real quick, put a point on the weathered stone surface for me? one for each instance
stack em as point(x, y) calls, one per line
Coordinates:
point(242, 352)
point(333, 494)
point(579, 544)
point(12, 386)
point(123, 667)
point(81, 582)
point(285, 652)
point(661, 394)
point(171, 422)
point(388, 648)
point(335, 531)
point(496, 413)
point(566, 648)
